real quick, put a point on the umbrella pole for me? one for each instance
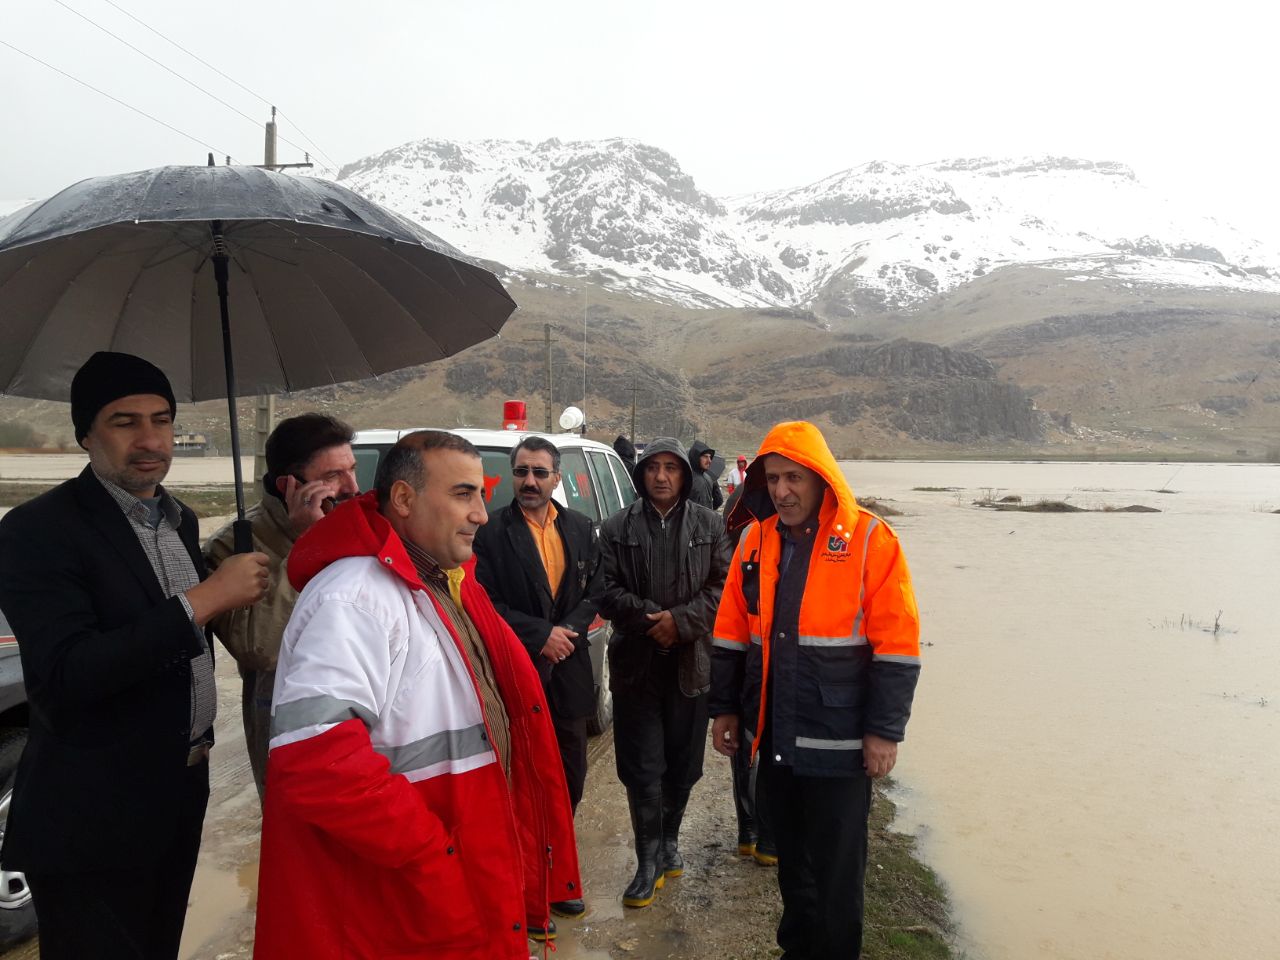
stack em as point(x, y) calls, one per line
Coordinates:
point(242, 531)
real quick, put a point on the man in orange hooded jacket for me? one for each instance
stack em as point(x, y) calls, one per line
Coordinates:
point(815, 658)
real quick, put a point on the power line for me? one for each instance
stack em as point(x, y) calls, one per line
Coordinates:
point(185, 80)
point(332, 162)
point(302, 133)
point(116, 99)
point(142, 53)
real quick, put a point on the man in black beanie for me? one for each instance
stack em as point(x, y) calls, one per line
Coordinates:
point(102, 581)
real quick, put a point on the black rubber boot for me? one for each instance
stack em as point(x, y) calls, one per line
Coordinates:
point(744, 802)
point(646, 824)
point(543, 934)
point(674, 800)
point(569, 908)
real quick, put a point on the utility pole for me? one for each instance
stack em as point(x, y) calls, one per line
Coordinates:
point(269, 161)
point(269, 155)
point(547, 341)
point(633, 411)
point(266, 414)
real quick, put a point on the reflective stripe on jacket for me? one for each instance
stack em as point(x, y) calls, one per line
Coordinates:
point(853, 667)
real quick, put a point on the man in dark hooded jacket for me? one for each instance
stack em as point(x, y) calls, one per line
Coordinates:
point(705, 489)
point(664, 561)
point(626, 451)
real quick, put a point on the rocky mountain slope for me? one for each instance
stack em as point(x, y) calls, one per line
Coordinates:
point(1050, 306)
point(878, 237)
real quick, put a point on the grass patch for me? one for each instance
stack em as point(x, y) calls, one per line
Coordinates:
point(907, 911)
point(1015, 503)
point(210, 501)
point(879, 507)
point(1040, 506)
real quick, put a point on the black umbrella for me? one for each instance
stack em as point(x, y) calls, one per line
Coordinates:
point(325, 286)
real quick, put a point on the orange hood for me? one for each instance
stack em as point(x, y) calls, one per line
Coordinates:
point(802, 442)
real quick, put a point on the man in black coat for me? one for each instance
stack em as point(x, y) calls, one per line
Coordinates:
point(540, 565)
point(665, 559)
point(103, 583)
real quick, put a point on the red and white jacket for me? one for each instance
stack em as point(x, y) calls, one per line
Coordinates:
point(389, 828)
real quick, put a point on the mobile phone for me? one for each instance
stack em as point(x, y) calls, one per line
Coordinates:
point(327, 504)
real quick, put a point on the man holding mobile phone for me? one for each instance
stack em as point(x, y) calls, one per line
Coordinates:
point(310, 468)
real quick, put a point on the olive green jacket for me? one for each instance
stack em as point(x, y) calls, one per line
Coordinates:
point(252, 635)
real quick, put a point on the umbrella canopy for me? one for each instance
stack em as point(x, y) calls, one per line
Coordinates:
point(716, 470)
point(323, 286)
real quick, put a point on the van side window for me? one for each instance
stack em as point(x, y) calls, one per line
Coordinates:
point(577, 483)
point(497, 477)
point(625, 486)
point(367, 465)
point(605, 483)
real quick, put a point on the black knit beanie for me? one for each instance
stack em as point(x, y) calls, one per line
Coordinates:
point(106, 377)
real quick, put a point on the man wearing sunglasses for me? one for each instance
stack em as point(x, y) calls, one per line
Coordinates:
point(541, 567)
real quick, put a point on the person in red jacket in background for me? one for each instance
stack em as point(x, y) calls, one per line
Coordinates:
point(417, 805)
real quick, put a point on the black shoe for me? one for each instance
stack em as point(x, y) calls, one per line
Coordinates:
point(543, 934)
point(646, 823)
point(673, 803)
point(569, 908)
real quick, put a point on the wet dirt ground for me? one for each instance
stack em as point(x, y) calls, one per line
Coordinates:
point(722, 907)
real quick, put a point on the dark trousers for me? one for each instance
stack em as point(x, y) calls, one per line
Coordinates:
point(659, 734)
point(257, 688)
point(571, 735)
point(126, 914)
point(750, 803)
point(820, 826)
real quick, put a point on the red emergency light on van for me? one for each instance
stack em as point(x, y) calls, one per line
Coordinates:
point(514, 416)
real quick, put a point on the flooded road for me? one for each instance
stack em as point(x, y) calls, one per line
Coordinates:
point(1092, 769)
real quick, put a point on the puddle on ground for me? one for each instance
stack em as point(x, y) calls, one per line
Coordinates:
point(220, 898)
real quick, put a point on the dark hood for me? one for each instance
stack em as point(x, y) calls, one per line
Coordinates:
point(695, 453)
point(663, 445)
point(625, 449)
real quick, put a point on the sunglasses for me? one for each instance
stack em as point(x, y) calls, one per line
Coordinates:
point(522, 471)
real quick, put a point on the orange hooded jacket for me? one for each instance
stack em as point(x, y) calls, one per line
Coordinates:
point(848, 665)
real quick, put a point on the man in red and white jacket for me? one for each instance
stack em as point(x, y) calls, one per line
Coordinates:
point(417, 805)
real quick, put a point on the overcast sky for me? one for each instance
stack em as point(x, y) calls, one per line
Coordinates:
point(747, 96)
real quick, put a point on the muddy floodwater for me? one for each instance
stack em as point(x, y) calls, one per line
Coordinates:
point(1091, 767)
point(1092, 762)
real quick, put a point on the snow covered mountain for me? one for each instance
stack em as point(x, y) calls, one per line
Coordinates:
point(877, 237)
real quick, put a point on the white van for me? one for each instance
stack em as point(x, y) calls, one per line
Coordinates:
point(593, 481)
